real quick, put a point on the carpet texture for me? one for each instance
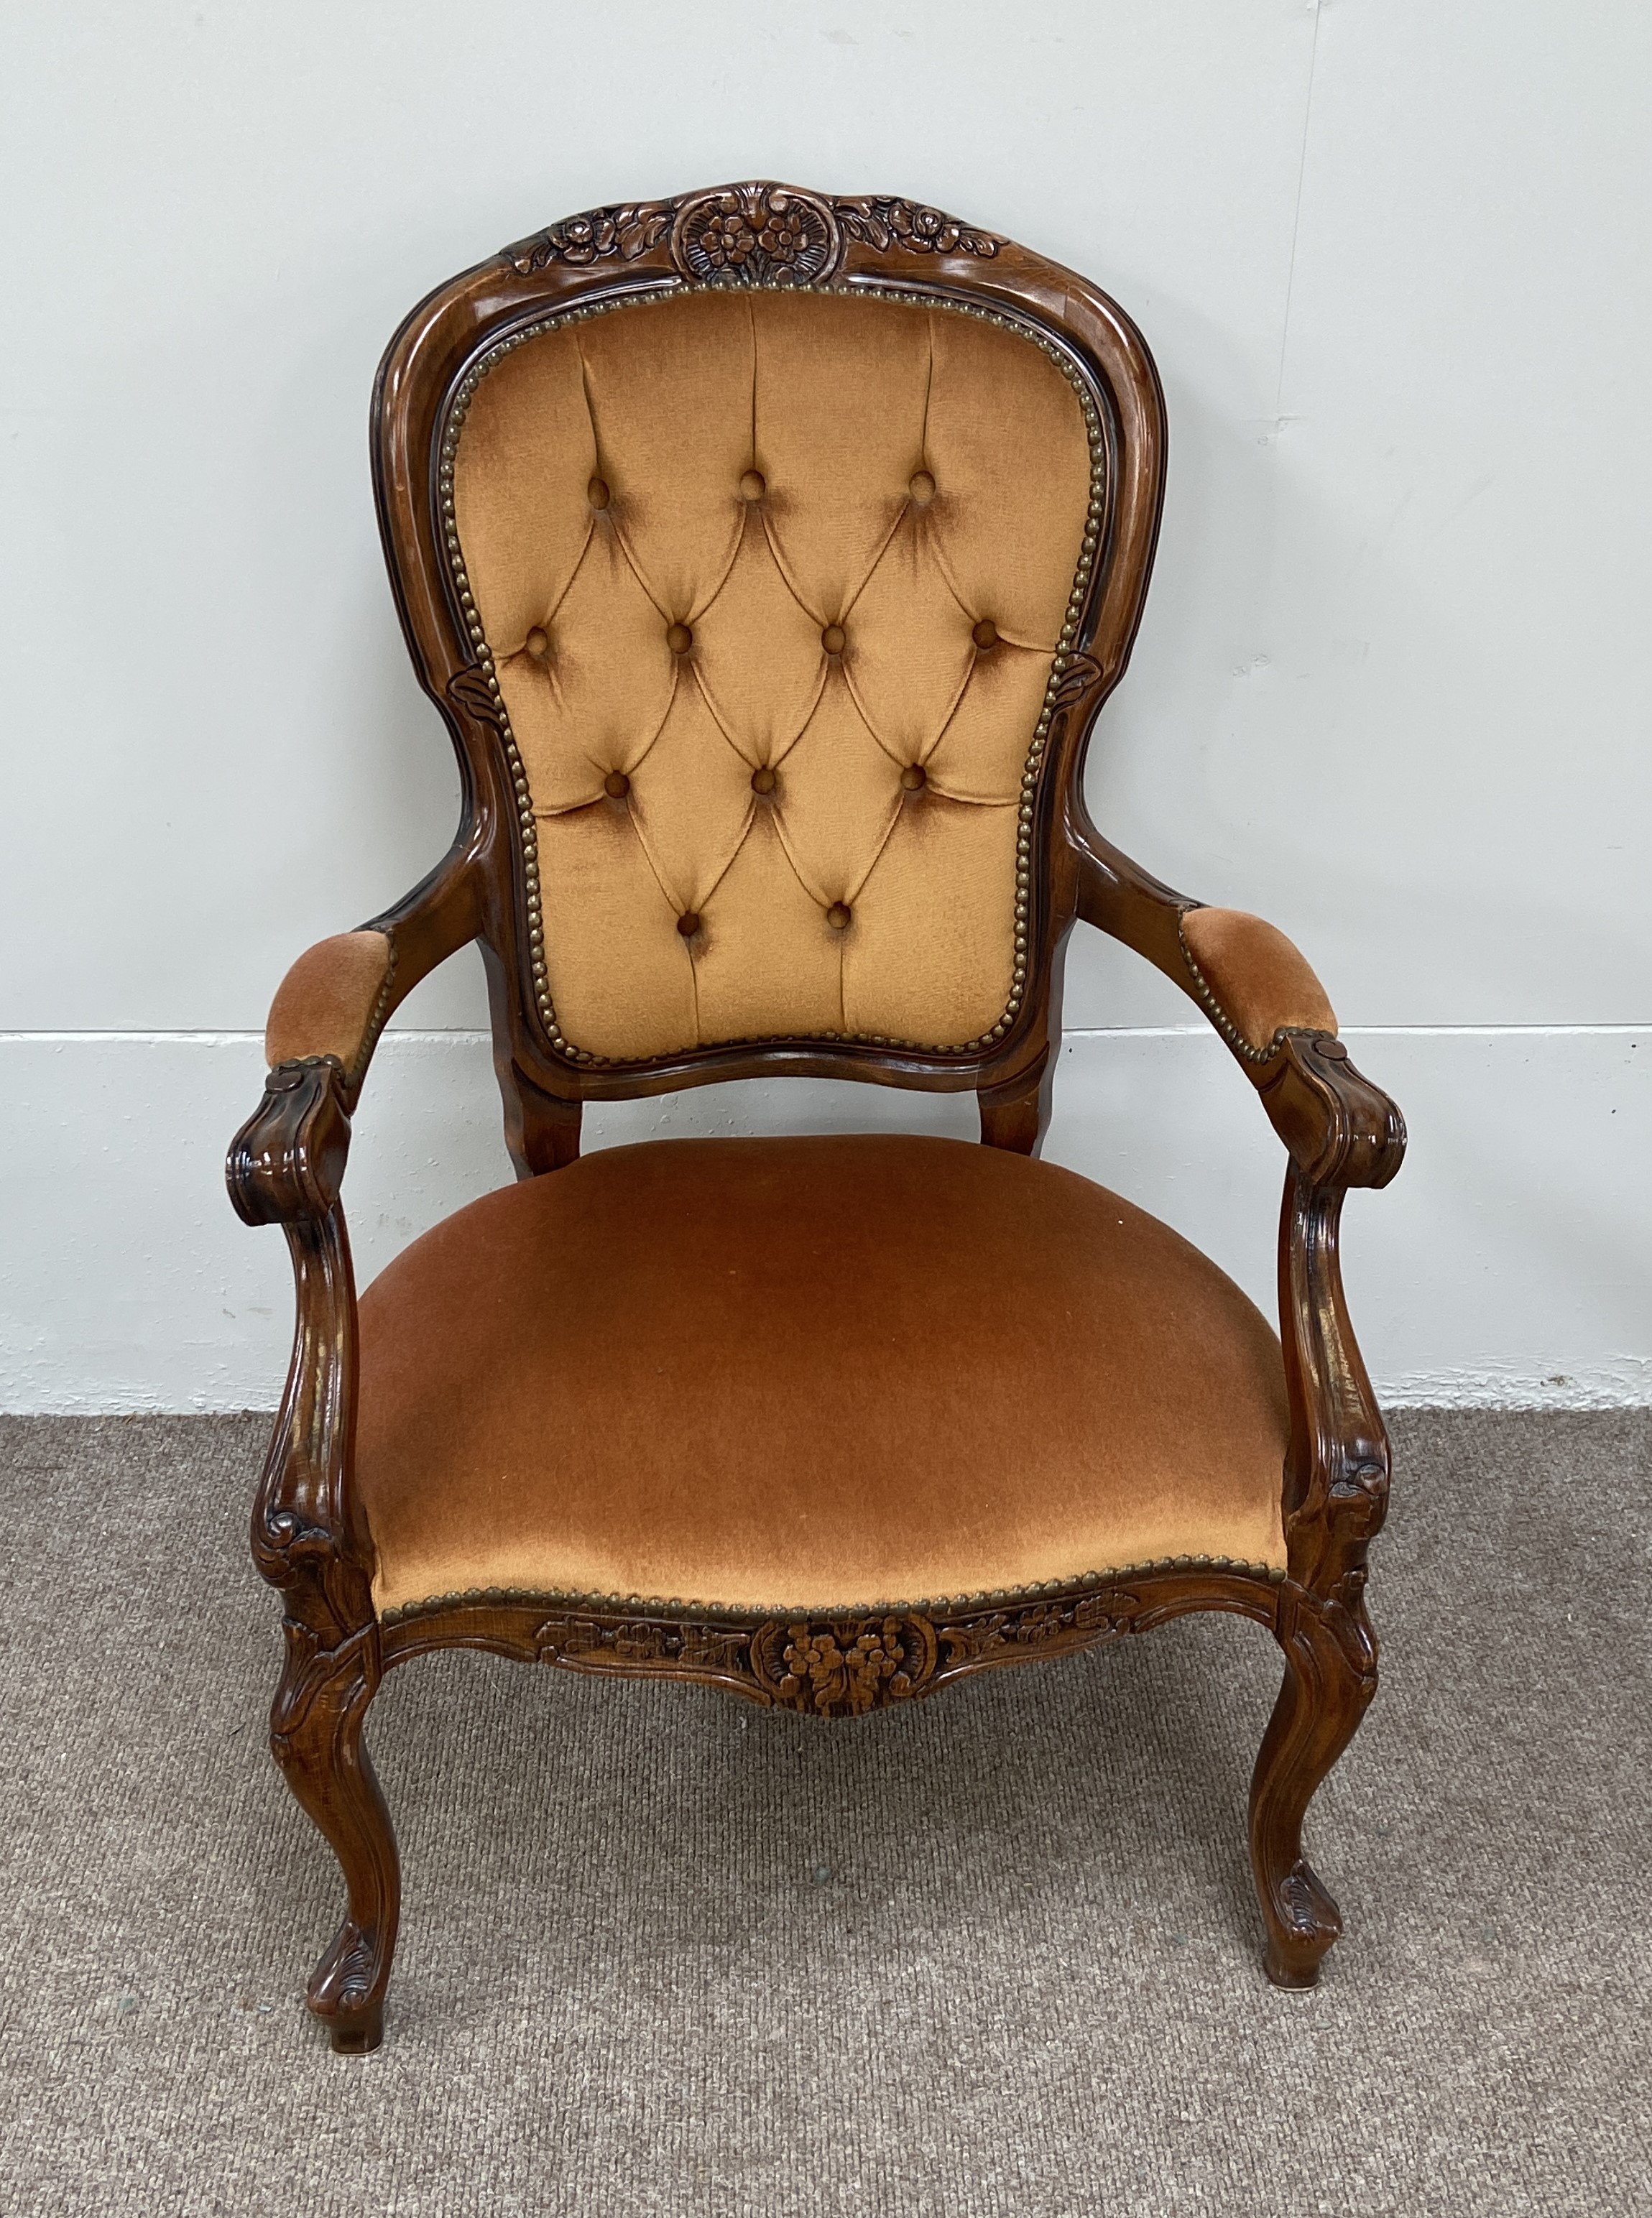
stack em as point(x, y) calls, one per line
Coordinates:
point(996, 1953)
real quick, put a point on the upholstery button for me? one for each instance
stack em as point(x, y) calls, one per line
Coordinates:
point(838, 915)
point(762, 781)
point(617, 785)
point(538, 644)
point(985, 634)
point(688, 924)
point(752, 485)
point(921, 487)
point(679, 639)
point(915, 778)
point(832, 639)
point(597, 493)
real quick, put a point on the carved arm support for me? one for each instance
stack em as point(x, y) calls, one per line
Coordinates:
point(286, 1166)
point(1263, 999)
point(1340, 1132)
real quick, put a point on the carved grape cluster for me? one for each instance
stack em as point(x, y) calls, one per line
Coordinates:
point(833, 1669)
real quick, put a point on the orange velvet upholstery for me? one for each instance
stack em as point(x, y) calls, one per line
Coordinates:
point(772, 583)
point(809, 1373)
point(1257, 978)
point(328, 1002)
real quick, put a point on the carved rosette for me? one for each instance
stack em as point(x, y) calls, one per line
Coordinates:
point(755, 234)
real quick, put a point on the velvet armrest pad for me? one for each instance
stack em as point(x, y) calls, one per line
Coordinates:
point(1258, 977)
point(329, 1000)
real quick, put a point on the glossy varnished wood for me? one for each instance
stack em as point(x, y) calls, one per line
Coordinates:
point(831, 1663)
point(287, 1164)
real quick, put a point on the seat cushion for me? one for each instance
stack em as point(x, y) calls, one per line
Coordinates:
point(809, 1373)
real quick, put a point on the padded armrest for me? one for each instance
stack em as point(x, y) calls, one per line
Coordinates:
point(287, 1160)
point(340, 995)
point(332, 1001)
point(1254, 982)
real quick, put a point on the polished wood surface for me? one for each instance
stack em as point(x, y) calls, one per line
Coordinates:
point(287, 1164)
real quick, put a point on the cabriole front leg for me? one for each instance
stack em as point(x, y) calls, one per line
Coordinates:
point(1330, 1676)
point(315, 1734)
point(310, 1537)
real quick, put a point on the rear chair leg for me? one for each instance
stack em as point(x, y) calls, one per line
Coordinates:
point(315, 1734)
point(1330, 1677)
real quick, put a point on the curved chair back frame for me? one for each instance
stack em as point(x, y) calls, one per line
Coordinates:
point(656, 250)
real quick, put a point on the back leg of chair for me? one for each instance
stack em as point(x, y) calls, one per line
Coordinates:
point(315, 1732)
point(1330, 1677)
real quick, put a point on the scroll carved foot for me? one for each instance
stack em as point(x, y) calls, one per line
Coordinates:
point(315, 1730)
point(1330, 1677)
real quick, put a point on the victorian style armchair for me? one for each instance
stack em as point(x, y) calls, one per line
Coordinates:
point(769, 556)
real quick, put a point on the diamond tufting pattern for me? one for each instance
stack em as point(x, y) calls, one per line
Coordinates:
point(772, 583)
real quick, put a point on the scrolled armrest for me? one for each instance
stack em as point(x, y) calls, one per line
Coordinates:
point(287, 1163)
point(1341, 1129)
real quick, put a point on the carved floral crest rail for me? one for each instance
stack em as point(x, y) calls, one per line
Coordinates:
point(751, 234)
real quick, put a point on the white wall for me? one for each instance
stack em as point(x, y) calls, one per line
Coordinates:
point(1392, 689)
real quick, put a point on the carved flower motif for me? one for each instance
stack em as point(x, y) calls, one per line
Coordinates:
point(927, 226)
point(627, 231)
point(727, 240)
point(886, 223)
point(784, 237)
point(1044, 1622)
point(587, 237)
point(755, 235)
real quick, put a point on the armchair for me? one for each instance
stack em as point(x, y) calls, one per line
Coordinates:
point(769, 557)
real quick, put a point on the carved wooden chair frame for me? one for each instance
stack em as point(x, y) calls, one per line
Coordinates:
point(309, 1537)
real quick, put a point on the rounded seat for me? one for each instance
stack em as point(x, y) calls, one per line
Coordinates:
point(809, 1373)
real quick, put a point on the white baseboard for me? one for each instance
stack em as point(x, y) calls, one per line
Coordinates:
point(1507, 1266)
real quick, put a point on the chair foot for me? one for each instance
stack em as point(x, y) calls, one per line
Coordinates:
point(316, 1728)
point(1291, 1977)
point(1308, 1923)
point(1330, 1677)
point(347, 1990)
point(359, 2033)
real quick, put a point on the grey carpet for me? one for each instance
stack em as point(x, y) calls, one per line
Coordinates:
point(665, 1953)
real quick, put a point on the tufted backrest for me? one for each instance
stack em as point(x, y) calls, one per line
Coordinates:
point(772, 583)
